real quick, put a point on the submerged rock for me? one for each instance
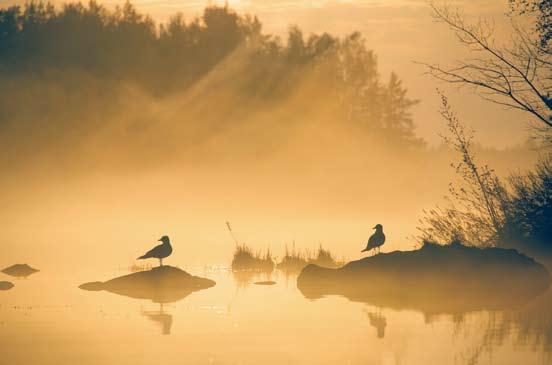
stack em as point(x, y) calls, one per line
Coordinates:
point(19, 270)
point(163, 284)
point(435, 278)
point(5, 285)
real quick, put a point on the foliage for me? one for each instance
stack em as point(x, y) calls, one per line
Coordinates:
point(529, 213)
point(516, 76)
point(246, 259)
point(123, 46)
point(542, 9)
point(476, 206)
point(295, 261)
point(485, 211)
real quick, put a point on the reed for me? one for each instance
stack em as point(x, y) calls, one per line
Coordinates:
point(245, 259)
point(295, 260)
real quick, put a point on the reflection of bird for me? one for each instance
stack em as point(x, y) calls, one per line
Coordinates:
point(378, 321)
point(376, 240)
point(161, 317)
point(159, 252)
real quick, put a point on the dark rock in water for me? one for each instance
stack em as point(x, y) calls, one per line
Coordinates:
point(5, 285)
point(19, 270)
point(433, 279)
point(268, 282)
point(163, 284)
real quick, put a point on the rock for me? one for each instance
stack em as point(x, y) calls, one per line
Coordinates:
point(20, 270)
point(163, 284)
point(5, 285)
point(435, 278)
point(268, 282)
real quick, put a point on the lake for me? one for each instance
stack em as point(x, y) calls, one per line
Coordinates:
point(47, 319)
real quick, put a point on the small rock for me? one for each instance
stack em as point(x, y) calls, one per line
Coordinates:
point(19, 270)
point(268, 282)
point(5, 285)
point(165, 284)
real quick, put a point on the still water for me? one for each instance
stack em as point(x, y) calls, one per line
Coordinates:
point(47, 319)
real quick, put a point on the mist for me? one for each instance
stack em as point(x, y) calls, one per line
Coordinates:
point(297, 139)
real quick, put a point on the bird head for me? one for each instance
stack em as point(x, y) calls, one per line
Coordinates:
point(165, 239)
point(378, 227)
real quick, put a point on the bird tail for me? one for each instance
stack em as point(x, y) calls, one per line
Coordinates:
point(364, 250)
point(142, 257)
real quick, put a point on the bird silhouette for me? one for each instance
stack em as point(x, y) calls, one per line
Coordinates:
point(159, 252)
point(376, 240)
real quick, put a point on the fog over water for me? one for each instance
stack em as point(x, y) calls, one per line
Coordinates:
point(120, 124)
point(112, 166)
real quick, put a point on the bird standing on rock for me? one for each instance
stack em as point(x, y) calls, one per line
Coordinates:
point(159, 252)
point(376, 240)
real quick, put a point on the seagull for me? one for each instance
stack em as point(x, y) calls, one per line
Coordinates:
point(376, 240)
point(159, 252)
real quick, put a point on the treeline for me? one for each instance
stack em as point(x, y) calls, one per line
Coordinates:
point(123, 45)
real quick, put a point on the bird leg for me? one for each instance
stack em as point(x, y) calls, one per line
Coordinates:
point(160, 262)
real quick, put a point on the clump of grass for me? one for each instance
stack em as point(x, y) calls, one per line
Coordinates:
point(296, 261)
point(454, 242)
point(135, 267)
point(246, 259)
point(485, 210)
point(293, 260)
point(324, 258)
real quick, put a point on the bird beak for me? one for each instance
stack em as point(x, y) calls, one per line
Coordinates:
point(374, 227)
point(160, 240)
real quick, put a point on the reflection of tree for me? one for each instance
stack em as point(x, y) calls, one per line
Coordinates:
point(530, 326)
point(162, 318)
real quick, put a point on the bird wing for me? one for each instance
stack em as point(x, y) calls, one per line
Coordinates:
point(375, 240)
point(154, 252)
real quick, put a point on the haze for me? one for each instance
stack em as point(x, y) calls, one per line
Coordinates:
point(82, 197)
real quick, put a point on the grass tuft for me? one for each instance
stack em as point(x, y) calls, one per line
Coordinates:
point(246, 259)
point(295, 260)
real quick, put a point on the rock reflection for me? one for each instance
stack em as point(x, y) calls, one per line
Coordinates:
point(426, 299)
point(492, 319)
point(501, 302)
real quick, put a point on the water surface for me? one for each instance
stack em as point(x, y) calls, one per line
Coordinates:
point(46, 319)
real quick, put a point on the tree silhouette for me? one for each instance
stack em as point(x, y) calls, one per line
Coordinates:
point(125, 47)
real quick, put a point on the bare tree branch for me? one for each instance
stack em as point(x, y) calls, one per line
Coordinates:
point(518, 76)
